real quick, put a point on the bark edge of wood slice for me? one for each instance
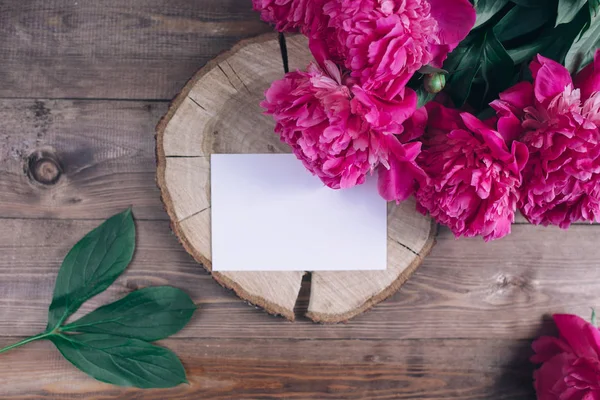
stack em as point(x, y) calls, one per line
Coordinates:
point(218, 111)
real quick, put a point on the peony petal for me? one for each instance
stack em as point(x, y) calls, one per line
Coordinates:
point(576, 331)
point(583, 374)
point(455, 19)
point(509, 126)
point(588, 79)
point(394, 184)
point(439, 53)
point(319, 50)
point(535, 66)
point(492, 138)
point(595, 395)
point(551, 78)
point(519, 96)
point(549, 379)
point(547, 347)
point(414, 127)
point(441, 117)
point(521, 154)
point(385, 115)
point(510, 110)
point(398, 182)
point(593, 336)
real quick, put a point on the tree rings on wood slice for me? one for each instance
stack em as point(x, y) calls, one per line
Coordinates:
point(219, 111)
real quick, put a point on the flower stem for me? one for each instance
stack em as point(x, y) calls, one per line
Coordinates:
point(28, 340)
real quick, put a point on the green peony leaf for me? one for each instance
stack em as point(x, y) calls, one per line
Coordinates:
point(497, 67)
point(463, 65)
point(568, 9)
point(565, 36)
point(526, 52)
point(594, 7)
point(554, 43)
point(121, 361)
point(582, 51)
point(486, 9)
point(92, 265)
point(531, 3)
point(149, 314)
point(521, 20)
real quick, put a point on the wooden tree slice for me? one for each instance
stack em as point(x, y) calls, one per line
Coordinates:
point(219, 111)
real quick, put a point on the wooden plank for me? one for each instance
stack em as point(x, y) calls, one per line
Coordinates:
point(297, 369)
point(105, 149)
point(115, 49)
point(520, 219)
point(465, 288)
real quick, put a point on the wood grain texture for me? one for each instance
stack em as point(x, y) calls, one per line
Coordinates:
point(218, 112)
point(298, 369)
point(460, 328)
point(91, 49)
point(465, 289)
point(105, 148)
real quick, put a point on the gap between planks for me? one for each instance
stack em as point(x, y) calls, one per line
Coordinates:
point(314, 340)
point(98, 99)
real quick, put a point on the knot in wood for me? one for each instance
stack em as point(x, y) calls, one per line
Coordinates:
point(504, 282)
point(44, 167)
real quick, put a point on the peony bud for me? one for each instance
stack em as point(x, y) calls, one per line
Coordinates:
point(434, 83)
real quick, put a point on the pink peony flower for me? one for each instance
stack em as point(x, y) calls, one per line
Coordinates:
point(570, 363)
point(291, 15)
point(399, 179)
point(559, 122)
point(325, 122)
point(474, 177)
point(384, 42)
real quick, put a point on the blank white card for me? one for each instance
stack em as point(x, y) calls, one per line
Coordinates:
point(270, 214)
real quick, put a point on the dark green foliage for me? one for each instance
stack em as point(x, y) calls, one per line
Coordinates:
point(506, 38)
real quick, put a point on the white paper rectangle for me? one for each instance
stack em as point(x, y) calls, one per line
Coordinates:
point(270, 214)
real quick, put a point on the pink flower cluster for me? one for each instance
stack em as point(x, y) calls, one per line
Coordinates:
point(290, 15)
point(559, 121)
point(384, 42)
point(474, 175)
point(570, 363)
point(350, 113)
point(326, 122)
point(551, 173)
point(343, 116)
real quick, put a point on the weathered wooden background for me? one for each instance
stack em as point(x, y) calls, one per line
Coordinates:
point(83, 83)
